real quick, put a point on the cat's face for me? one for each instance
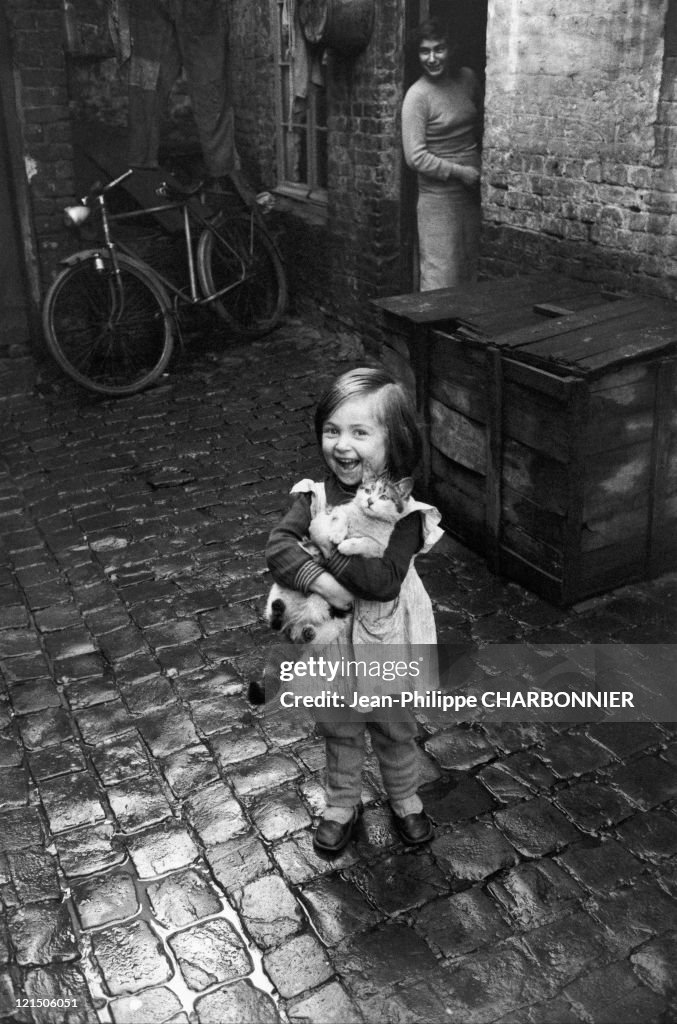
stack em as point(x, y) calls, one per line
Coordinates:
point(383, 498)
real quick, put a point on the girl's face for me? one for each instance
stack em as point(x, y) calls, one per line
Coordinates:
point(354, 442)
point(434, 57)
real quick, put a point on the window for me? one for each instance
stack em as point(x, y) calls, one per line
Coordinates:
point(301, 109)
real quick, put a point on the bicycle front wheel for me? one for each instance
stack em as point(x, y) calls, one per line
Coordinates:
point(240, 256)
point(112, 333)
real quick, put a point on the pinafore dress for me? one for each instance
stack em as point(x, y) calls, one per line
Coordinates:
point(406, 620)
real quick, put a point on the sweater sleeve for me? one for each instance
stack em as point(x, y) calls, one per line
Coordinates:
point(416, 154)
point(289, 564)
point(380, 579)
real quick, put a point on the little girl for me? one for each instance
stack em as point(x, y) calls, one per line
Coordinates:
point(365, 425)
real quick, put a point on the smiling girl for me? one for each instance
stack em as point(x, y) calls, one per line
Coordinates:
point(365, 426)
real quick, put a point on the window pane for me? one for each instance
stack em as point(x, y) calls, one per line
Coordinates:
point(296, 155)
point(285, 52)
point(285, 110)
point(320, 107)
point(321, 158)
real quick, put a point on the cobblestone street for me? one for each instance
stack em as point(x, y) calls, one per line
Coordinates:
point(156, 861)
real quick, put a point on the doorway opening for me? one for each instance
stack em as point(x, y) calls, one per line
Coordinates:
point(468, 23)
point(467, 20)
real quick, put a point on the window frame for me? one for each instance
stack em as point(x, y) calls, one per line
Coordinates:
point(311, 191)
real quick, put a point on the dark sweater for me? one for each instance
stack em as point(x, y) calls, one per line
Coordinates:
point(372, 579)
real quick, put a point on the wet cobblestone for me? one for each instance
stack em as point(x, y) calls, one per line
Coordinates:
point(156, 859)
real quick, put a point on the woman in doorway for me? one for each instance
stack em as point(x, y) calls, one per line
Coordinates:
point(440, 122)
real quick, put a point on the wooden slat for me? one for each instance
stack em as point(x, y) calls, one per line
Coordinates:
point(541, 524)
point(469, 301)
point(458, 437)
point(671, 465)
point(537, 379)
point(657, 518)
point(612, 341)
point(462, 516)
point(540, 554)
point(518, 567)
point(635, 332)
point(535, 476)
point(450, 355)
point(616, 480)
point(621, 415)
point(461, 478)
point(664, 544)
point(500, 324)
point(609, 567)
point(628, 526)
point(621, 377)
point(577, 413)
point(494, 453)
point(462, 399)
point(557, 332)
point(650, 344)
point(540, 425)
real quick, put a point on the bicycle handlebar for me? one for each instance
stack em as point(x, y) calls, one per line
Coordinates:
point(98, 190)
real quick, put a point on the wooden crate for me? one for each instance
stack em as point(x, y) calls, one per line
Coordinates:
point(552, 427)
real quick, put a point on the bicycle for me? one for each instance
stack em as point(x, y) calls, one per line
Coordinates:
point(108, 318)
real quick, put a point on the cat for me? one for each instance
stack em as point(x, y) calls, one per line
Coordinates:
point(361, 527)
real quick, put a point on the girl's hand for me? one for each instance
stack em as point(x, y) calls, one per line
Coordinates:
point(332, 591)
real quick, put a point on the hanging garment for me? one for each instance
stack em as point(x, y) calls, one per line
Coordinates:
point(166, 36)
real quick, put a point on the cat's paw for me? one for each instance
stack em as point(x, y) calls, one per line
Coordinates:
point(350, 546)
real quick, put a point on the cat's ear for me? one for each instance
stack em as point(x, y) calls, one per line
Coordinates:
point(404, 487)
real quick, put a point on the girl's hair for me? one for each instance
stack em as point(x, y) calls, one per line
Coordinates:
point(394, 410)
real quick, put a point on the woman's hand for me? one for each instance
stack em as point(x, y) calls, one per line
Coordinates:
point(332, 591)
point(469, 176)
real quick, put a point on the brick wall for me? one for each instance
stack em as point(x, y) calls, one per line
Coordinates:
point(356, 254)
point(252, 74)
point(580, 121)
point(365, 167)
point(36, 41)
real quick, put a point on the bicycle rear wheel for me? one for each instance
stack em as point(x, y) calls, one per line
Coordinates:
point(111, 334)
point(243, 256)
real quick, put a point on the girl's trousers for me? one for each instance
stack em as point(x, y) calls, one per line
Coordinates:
point(394, 744)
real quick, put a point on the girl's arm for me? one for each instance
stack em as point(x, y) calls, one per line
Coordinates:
point(291, 566)
point(332, 591)
point(380, 579)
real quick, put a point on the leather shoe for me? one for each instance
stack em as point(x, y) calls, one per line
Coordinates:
point(414, 828)
point(332, 836)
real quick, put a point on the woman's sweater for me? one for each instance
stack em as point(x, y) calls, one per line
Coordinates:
point(439, 122)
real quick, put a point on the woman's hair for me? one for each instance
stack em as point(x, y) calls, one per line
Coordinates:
point(394, 410)
point(431, 28)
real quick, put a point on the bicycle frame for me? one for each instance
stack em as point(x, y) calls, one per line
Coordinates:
point(192, 297)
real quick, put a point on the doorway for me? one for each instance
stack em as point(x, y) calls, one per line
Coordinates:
point(468, 22)
point(17, 307)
